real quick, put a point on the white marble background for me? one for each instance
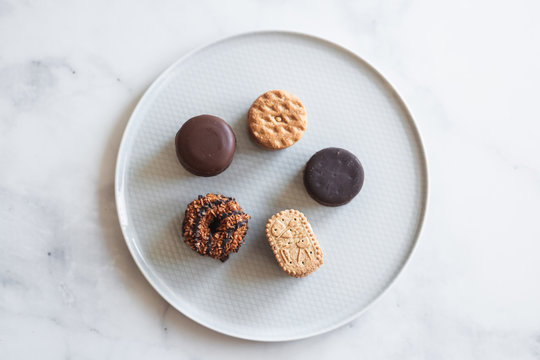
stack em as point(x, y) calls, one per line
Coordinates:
point(70, 75)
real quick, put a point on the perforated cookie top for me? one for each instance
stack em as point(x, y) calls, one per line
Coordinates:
point(294, 245)
point(277, 119)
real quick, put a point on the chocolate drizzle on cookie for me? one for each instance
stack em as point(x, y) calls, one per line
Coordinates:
point(215, 225)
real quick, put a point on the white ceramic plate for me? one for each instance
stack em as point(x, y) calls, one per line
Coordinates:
point(366, 243)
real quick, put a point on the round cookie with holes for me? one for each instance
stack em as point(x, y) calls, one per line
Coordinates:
point(277, 119)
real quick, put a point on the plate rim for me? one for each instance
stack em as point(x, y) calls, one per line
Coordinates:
point(122, 209)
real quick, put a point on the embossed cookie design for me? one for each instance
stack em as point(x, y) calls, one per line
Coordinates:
point(295, 247)
point(277, 119)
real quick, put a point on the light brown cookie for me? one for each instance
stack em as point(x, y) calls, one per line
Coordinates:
point(295, 247)
point(277, 119)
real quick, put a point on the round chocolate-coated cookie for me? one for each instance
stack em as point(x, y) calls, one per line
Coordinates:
point(333, 176)
point(205, 145)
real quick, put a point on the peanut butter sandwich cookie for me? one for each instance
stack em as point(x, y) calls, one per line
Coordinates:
point(295, 247)
point(277, 119)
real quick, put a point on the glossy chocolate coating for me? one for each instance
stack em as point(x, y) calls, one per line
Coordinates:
point(205, 145)
point(333, 176)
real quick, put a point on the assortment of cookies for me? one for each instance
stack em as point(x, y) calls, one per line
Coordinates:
point(215, 225)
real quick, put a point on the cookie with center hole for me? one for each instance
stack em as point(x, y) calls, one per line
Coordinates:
point(293, 242)
point(277, 119)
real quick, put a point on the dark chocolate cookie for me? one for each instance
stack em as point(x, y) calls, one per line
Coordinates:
point(205, 145)
point(333, 176)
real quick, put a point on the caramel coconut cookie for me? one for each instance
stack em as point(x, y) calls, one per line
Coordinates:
point(295, 247)
point(277, 119)
point(215, 225)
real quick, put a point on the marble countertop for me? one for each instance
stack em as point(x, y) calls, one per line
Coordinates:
point(71, 74)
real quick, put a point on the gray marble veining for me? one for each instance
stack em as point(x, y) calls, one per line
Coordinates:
point(70, 75)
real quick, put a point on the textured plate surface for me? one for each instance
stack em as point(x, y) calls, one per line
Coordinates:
point(365, 243)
